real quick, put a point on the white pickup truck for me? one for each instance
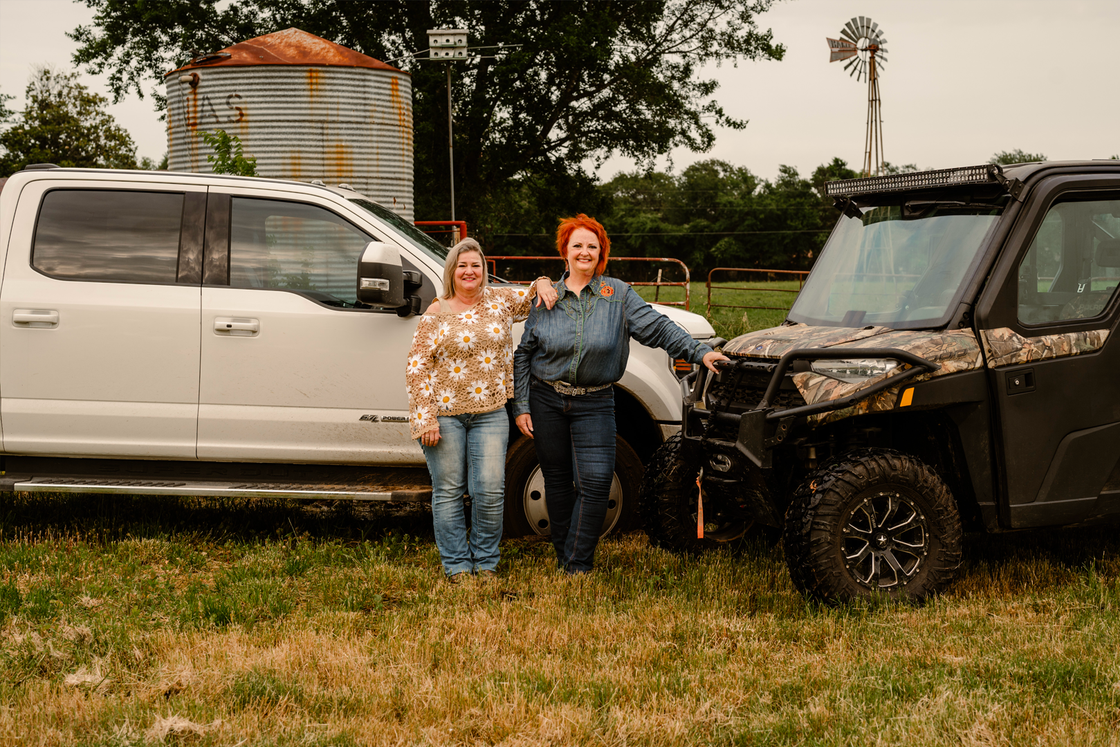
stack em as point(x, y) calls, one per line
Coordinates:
point(190, 334)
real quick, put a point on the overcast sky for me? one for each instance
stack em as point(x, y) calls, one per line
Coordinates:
point(964, 79)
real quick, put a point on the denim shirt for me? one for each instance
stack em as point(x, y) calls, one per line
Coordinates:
point(584, 339)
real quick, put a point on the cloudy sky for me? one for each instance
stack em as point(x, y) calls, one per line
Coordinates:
point(964, 79)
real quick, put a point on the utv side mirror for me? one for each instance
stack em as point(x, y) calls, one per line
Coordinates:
point(381, 277)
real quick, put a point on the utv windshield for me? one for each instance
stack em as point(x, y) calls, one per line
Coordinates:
point(899, 266)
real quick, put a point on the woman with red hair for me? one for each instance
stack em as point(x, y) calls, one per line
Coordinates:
point(564, 369)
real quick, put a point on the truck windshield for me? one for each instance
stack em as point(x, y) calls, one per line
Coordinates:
point(405, 230)
point(899, 266)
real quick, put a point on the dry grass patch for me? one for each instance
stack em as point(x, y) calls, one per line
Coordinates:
point(283, 627)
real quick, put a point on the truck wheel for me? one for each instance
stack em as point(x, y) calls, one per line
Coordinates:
point(526, 512)
point(872, 521)
point(668, 504)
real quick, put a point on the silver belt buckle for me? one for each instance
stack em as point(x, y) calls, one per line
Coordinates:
point(567, 389)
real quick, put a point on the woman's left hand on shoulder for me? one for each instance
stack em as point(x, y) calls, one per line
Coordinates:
point(546, 293)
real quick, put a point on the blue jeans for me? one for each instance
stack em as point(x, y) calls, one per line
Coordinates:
point(575, 445)
point(470, 457)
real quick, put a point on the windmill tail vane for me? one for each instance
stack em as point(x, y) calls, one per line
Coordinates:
point(842, 49)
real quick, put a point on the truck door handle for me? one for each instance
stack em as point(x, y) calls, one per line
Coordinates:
point(236, 326)
point(42, 318)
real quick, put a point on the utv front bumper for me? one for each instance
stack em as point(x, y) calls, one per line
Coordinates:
point(733, 421)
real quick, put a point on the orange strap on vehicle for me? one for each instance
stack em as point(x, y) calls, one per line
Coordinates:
point(699, 509)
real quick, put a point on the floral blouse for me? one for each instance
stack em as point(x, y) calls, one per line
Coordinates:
point(463, 362)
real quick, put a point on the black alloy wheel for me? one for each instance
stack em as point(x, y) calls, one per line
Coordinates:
point(872, 522)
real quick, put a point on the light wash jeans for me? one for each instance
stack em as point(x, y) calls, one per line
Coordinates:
point(469, 458)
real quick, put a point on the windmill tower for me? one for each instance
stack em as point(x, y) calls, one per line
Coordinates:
point(865, 48)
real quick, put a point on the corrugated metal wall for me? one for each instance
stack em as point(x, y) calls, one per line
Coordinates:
point(348, 125)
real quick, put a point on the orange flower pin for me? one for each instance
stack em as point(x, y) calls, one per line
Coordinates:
point(605, 290)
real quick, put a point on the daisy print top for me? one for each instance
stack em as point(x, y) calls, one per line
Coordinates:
point(463, 362)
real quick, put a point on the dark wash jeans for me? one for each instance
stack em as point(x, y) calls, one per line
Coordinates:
point(575, 445)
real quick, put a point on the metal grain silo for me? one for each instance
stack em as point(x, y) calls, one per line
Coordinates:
point(305, 107)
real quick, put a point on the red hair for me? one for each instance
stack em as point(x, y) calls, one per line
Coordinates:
point(568, 226)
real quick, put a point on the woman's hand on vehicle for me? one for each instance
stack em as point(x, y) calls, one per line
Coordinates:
point(525, 424)
point(546, 293)
point(430, 438)
point(711, 358)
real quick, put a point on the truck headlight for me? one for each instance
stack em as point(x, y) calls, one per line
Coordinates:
point(854, 370)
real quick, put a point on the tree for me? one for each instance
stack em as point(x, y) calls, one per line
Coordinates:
point(228, 157)
point(584, 80)
point(715, 214)
point(890, 169)
point(5, 112)
point(65, 124)
point(1008, 157)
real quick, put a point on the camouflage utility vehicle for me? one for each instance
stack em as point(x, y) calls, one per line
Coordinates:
point(950, 365)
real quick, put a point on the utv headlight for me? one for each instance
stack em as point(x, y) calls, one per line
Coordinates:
point(854, 370)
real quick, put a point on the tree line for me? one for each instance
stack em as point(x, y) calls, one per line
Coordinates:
point(574, 84)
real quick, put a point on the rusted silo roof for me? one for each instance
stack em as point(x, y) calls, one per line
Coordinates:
point(287, 47)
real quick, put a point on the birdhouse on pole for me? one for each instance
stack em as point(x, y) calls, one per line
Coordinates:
point(447, 44)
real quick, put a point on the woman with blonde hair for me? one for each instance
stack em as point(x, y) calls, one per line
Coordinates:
point(459, 377)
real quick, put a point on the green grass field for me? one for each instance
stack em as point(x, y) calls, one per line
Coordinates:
point(728, 315)
point(144, 621)
point(150, 621)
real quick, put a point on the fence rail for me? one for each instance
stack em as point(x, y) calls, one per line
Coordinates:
point(799, 275)
point(457, 228)
point(659, 283)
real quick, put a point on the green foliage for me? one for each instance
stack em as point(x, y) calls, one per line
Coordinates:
point(586, 79)
point(65, 124)
point(718, 215)
point(5, 112)
point(228, 157)
point(890, 169)
point(1008, 157)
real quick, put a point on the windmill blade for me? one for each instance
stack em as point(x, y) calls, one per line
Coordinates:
point(851, 30)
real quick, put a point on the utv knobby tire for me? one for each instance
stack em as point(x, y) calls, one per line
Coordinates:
point(872, 522)
point(526, 512)
point(667, 504)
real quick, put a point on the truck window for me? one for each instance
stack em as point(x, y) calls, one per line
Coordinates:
point(1072, 267)
point(294, 246)
point(112, 235)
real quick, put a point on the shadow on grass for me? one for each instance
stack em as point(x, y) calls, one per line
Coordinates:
point(101, 519)
point(1036, 560)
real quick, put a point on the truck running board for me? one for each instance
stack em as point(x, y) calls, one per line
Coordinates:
point(222, 490)
point(312, 482)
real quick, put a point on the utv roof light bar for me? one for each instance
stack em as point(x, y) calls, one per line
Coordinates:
point(986, 174)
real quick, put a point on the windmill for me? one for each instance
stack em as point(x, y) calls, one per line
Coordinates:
point(865, 48)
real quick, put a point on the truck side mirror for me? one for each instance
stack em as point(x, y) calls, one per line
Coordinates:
point(381, 277)
point(413, 281)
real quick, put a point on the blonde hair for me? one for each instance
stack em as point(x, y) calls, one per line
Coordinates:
point(453, 254)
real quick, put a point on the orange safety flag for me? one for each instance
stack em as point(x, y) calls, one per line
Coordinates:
point(699, 510)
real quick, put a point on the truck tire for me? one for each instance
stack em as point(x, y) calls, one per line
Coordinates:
point(526, 512)
point(872, 522)
point(667, 504)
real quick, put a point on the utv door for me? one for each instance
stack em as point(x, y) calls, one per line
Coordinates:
point(1049, 328)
